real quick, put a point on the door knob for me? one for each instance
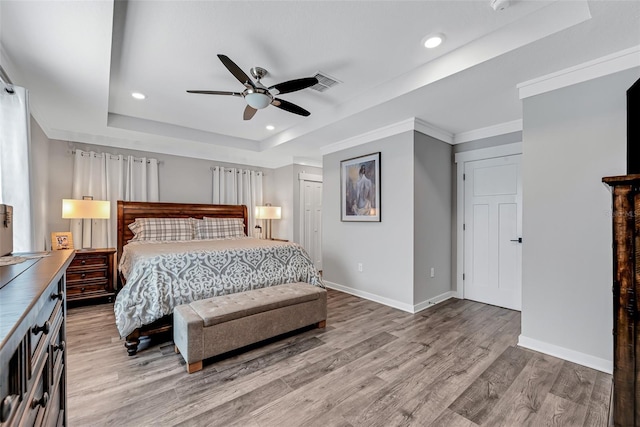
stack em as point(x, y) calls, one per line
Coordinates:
point(519, 240)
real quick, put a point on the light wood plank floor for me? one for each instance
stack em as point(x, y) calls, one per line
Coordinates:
point(455, 364)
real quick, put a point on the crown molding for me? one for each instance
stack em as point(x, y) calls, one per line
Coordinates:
point(412, 124)
point(487, 132)
point(609, 64)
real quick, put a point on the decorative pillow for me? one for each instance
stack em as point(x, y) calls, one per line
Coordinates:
point(219, 228)
point(162, 229)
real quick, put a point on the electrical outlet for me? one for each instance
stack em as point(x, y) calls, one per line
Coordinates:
point(360, 267)
point(433, 272)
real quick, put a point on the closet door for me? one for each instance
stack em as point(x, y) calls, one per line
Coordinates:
point(311, 221)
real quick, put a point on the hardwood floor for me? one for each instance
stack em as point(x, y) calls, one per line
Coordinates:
point(455, 364)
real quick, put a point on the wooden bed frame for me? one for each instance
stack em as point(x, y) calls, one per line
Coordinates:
point(127, 214)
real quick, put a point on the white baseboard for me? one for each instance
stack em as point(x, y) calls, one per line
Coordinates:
point(388, 301)
point(433, 301)
point(597, 363)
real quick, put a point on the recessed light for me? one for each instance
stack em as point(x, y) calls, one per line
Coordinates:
point(138, 95)
point(433, 40)
point(270, 127)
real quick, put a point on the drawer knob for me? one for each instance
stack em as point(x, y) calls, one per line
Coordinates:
point(82, 289)
point(40, 402)
point(59, 347)
point(57, 296)
point(7, 406)
point(44, 328)
point(83, 262)
point(83, 275)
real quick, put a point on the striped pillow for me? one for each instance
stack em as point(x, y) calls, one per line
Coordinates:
point(162, 229)
point(219, 228)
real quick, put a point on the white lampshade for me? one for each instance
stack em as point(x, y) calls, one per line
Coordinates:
point(268, 212)
point(89, 209)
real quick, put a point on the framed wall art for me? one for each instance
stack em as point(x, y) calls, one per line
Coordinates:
point(61, 240)
point(360, 188)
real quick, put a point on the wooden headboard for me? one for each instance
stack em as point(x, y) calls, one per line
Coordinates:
point(129, 211)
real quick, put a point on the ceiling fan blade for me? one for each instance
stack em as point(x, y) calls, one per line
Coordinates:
point(215, 92)
point(288, 106)
point(236, 71)
point(249, 112)
point(294, 85)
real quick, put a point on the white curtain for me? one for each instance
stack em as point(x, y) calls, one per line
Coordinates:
point(233, 186)
point(15, 164)
point(110, 177)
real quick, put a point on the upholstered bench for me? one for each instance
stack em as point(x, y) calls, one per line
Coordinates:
point(216, 325)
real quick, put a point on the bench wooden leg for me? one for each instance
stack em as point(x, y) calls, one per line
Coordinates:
point(322, 324)
point(194, 367)
point(177, 350)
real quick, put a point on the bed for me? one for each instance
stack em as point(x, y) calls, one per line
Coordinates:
point(154, 277)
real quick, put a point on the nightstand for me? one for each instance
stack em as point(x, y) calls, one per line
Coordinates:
point(90, 275)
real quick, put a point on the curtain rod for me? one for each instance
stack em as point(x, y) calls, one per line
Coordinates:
point(114, 156)
point(212, 168)
point(7, 85)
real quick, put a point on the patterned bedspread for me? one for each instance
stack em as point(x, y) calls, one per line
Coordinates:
point(163, 275)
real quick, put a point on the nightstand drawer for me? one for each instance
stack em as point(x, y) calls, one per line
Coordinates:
point(87, 288)
point(86, 259)
point(81, 276)
point(90, 275)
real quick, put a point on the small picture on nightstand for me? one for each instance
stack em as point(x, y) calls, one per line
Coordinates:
point(61, 240)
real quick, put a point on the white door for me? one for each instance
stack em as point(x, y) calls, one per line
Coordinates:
point(493, 231)
point(311, 238)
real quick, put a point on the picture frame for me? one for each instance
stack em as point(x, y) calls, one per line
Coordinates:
point(61, 240)
point(360, 188)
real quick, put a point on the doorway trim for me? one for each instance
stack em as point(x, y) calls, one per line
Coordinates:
point(460, 159)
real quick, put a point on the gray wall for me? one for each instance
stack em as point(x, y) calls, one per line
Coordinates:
point(572, 138)
point(433, 193)
point(282, 195)
point(384, 248)
point(40, 167)
point(181, 179)
point(413, 236)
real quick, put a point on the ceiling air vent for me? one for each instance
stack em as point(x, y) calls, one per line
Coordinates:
point(324, 82)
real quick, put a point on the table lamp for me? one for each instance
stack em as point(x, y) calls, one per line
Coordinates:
point(268, 213)
point(86, 209)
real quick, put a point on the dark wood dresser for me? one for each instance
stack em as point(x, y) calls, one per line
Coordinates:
point(626, 290)
point(91, 275)
point(32, 341)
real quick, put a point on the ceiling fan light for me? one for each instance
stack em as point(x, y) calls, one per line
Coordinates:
point(257, 100)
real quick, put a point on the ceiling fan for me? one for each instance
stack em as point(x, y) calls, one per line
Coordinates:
point(257, 95)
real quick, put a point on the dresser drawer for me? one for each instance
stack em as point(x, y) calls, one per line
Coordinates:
point(39, 333)
point(84, 275)
point(34, 405)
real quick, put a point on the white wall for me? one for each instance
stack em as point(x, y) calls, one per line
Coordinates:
point(572, 138)
point(432, 218)
point(384, 248)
